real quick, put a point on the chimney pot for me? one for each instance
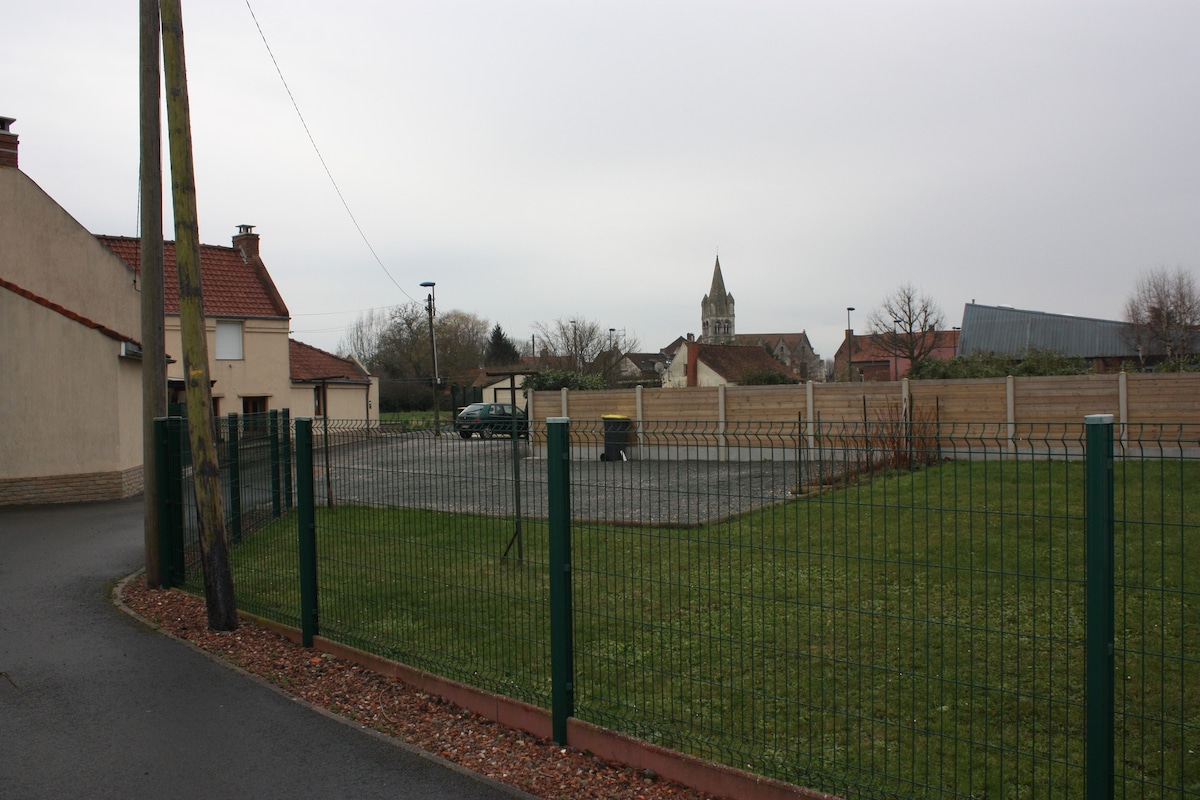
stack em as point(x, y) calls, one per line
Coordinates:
point(246, 242)
point(8, 143)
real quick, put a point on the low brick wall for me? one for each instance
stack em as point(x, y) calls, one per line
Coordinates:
point(85, 487)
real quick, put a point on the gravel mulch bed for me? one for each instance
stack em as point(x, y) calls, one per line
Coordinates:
point(518, 759)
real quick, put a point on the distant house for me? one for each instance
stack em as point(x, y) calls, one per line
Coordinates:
point(1014, 332)
point(70, 323)
point(491, 385)
point(327, 385)
point(249, 352)
point(866, 357)
point(642, 369)
point(699, 364)
point(793, 350)
point(547, 361)
point(246, 320)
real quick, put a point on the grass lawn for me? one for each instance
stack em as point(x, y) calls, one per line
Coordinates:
point(919, 634)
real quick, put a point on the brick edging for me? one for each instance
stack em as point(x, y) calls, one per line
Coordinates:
point(705, 776)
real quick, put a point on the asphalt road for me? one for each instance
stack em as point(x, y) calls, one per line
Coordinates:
point(93, 704)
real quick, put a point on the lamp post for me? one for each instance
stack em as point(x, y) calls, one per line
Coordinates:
point(575, 344)
point(849, 346)
point(895, 350)
point(437, 381)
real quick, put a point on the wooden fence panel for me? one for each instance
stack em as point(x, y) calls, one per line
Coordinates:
point(958, 401)
point(765, 403)
point(681, 405)
point(1163, 398)
point(855, 402)
point(1037, 403)
point(1065, 398)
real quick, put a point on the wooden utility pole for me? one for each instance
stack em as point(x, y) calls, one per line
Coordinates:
point(154, 358)
point(214, 545)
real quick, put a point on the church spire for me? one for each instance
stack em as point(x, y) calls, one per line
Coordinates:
point(716, 310)
point(718, 282)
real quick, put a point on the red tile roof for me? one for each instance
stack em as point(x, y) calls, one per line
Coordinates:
point(873, 346)
point(233, 286)
point(68, 313)
point(310, 364)
point(734, 361)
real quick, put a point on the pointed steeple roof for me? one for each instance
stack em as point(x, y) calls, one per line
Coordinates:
point(718, 282)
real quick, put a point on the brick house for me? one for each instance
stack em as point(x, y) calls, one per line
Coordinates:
point(870, 360)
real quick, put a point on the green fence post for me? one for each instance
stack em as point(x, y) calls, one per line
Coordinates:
point(174, 571)
point(162, 474)
point(285, 417)
point(1099, 594)
point(562, 658)
point(307, 532)
point(276, 493)
point(233, 459)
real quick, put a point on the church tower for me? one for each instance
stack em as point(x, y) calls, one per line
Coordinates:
point(716, 311)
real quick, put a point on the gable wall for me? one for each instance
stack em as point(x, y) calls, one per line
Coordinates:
point(71, 406)
point(262, 371)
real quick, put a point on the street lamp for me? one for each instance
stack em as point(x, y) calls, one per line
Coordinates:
point(437, 381)
point(895, 350)
point(575, 344)
point(849, 346)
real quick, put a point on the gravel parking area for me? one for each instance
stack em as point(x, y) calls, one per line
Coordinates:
point(447, 473)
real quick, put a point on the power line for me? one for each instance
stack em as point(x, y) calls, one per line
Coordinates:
point(320, 157)
point(335, 313)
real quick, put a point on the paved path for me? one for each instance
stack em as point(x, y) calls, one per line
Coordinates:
point(93, 704)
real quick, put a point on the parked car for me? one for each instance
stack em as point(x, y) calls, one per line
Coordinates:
point(489, 419)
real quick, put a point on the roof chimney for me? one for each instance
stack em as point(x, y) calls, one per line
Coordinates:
point(8, 143)
point(246, 241)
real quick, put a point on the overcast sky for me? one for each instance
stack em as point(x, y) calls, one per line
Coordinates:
point(544, 160)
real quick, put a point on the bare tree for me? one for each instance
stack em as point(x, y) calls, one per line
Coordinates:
point(364, 338)
point(906, 323)
point(589, 348)
point(1163, 314)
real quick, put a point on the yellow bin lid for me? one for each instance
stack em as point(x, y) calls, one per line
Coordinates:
point(613, 416)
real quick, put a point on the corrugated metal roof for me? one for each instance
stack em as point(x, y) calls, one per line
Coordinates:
point(1015, 331)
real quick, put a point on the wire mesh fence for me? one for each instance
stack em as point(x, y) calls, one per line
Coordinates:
point(889, 609)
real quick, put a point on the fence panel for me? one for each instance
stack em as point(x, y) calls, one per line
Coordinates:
point(895, 632)
point(887, 608)
point(1157, 609)
point(427, 553)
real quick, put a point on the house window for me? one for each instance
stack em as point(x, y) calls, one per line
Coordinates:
point(229, 340)
point(254, 405)
point(318, 406)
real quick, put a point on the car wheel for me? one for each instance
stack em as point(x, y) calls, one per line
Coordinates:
point(465, 434)
point(485, 433)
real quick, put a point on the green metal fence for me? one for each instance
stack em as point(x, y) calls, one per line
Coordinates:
point(256, 454)
point(890, 609)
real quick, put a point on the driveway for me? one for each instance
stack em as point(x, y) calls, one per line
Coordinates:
point(93, 704)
